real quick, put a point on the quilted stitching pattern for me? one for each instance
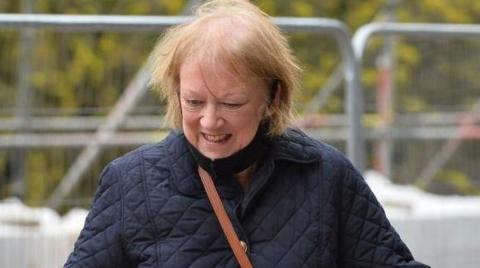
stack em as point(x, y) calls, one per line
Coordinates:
point(306, 207)
point(100, 241)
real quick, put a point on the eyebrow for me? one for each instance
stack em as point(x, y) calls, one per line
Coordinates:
point(239, 94)
point(189, 91)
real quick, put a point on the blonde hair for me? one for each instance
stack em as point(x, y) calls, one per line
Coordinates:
point(238, 33)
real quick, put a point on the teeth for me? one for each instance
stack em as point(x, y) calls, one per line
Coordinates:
point(215, 138)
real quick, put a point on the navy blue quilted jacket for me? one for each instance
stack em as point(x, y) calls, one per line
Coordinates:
point(306, 207)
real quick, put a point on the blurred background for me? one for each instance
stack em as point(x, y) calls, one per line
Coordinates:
point(72, 100)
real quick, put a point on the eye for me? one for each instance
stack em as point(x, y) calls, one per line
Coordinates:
point(193, 102)
point(232, 105)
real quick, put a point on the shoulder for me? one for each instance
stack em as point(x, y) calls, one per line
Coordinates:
point(160, 154)
point(295, 145)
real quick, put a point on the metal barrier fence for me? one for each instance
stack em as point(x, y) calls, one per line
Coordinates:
point(457, 123)
point(385, 131)
point(136, 89)
point(434, 141)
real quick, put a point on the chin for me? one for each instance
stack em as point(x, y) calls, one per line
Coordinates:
point(216, 155)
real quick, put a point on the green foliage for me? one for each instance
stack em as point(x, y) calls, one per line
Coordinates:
point(120, 7)
point(84, 62)
point(40, 176)
point(8, 79)
point(9, 6)
point(451, 11)
point(3, 180)
point(457, 180)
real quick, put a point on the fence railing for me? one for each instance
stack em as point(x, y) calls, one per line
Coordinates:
point(137, 87)
point(464, 122)
point(351, 50)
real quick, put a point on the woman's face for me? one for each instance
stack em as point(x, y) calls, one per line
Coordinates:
point(220, 112)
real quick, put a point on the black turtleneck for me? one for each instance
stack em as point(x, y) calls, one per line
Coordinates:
point(254, 152)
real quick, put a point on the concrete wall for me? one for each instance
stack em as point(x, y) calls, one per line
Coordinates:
point(443, 243)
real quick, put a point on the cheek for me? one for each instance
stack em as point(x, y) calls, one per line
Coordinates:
point(189, 122)
point(255, 116)
point(247, 127)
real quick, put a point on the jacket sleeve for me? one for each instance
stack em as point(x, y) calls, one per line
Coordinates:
point(367, 239)
point(100, 243)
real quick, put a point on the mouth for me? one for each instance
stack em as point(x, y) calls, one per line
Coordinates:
point(216, 138)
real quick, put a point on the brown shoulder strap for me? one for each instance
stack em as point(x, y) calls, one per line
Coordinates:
point(224, 220)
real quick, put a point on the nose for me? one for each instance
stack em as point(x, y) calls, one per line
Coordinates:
point(211, 118)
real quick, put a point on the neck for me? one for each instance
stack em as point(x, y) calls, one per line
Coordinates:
point(245, 177)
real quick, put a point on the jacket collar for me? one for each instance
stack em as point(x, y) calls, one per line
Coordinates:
point(293, 146)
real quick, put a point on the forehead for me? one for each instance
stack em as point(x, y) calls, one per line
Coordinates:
point(218, 78)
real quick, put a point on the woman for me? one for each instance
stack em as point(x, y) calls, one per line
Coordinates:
point(228, 77)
